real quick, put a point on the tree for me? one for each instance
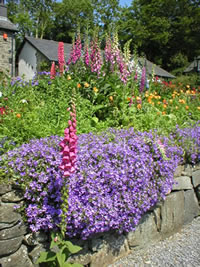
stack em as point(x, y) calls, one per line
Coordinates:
point(163, 28)
point(32, 17)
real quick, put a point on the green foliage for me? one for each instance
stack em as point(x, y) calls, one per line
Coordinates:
point(60, 251)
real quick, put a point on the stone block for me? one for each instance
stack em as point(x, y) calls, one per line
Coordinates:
point(182, 183)
point(17, 230)
point(8, 216)
point(191, 207)
point(35, 252)
point(10, 246)
point(5, 189)
point(146, 231)
point(196, 178)
point(13, 196)
point(187, 170)
point(18, 259)
point(178, 171)
point(114, 246)
point(172, 213)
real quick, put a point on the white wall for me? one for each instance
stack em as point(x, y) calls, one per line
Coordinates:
point(27, 62)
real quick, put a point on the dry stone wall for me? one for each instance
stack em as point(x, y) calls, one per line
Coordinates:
point(20, 248)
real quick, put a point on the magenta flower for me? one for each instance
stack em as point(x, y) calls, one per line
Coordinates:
point(87, 56)
point(69, 146)
point(95, 57)
point(53, 71)
point(61, 58)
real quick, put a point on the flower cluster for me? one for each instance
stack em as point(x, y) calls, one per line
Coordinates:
point(119, 175)
point(69, 145)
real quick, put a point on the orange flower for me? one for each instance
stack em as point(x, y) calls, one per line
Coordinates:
point(159, 103)
point(164, 101)
point(18, 115)
point(128, 99)
point(187, 107)
point(163, 113)
point(164, 106)
point(139, 106)
point(78, 85)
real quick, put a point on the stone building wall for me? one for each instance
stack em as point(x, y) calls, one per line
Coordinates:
point(7, 55)
point(21, 248)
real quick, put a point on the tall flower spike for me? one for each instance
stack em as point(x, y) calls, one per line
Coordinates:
point(61, 57)
point(53, 71)
point(69, 145)
point(143, 80)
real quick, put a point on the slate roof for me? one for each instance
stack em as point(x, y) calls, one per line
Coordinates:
point(192, 65)
point(6, 24)
point(157, 70)
point(49, 48)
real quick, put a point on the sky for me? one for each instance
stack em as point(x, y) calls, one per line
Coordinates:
point(125, 2)
point(122, 2)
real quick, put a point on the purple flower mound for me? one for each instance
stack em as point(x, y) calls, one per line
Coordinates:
point(189, 139)
point(119, 175)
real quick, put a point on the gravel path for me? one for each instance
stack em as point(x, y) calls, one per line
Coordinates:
point(181, 249)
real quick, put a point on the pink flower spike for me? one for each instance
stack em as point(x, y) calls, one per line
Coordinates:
point(68, 109)
point(66, 131)
point(53, 71)
point(69, 122)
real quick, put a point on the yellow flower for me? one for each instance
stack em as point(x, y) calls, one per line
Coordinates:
point(176, 107)
point(139, 106)
point(86, 85)
point(159, 103)
point(170, 100)
point(164, 106)
point(182, 101)
point(111, 98)
point(188, 86)
point(198, 108)
point(95, 89)
point(69, 77)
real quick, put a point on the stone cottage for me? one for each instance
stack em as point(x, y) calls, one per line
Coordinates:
point(34, 52)
point(7, 42)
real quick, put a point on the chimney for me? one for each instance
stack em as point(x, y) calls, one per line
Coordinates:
point(3, 9)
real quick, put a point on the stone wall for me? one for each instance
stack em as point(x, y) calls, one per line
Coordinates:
point(7, 55)
point(20, 248)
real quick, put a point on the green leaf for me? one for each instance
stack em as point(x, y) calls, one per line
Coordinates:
point(46, 257)
point(73, 248)
point(61, 258)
